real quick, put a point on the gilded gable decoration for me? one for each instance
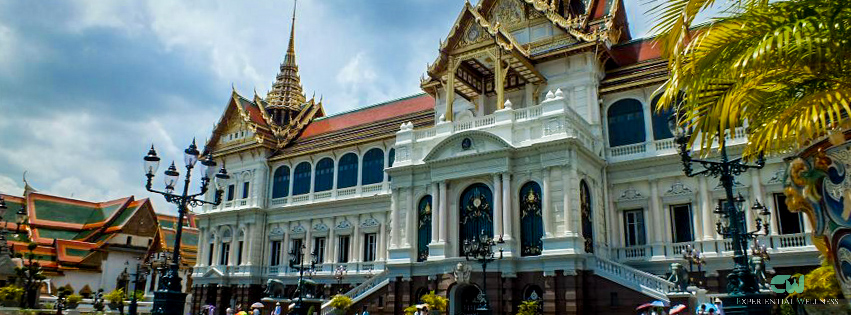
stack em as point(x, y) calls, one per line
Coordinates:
point(507, 12)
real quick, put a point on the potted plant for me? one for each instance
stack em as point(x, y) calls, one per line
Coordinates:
point(115, 299)
point(436, 303)
point(72, 301)
point(340, 303)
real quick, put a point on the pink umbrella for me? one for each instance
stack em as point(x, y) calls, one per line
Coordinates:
point(677, 309)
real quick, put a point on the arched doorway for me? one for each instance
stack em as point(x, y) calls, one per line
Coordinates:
point(476, 214)
point(464, 300)
point(531, 222)
point(587, 216)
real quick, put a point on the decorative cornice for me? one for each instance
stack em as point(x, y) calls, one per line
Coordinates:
point(369, 222)
point(778, 177)
point(679, 189)
point(631, 194)
point(343, 225)
point(320, 227)
point(298, 229)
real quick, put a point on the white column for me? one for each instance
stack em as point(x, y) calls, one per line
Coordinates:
point(360, 171)
point(657, 224)
point(568, 174)
point(262, 187)
point(381, 249)
point(312, 180)
point(443, 209)
point(334, 184)
point(436, 206)
point(706, 209)
point(547, 207)
point(497, 211)
point(308, 241)
point(507, 204)
point(202, 241)
point(285, 256)
point(234, 245)
point(394, 224)
point(409, 219)
point(330, 245)
point(333, 243)
point(356, 237)
point(249, 244)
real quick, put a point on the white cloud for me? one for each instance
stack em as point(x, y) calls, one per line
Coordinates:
point(9, 186)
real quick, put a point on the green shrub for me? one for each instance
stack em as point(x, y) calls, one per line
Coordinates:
point(435, 302)
point(341, 302)
point(529, 308)
point(11, 295)
point(411, 310)
point(115, 297)
point(74, 299)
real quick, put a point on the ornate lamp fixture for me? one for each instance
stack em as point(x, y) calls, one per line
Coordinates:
point(481, 249)
point(169, 295)
point(297, 262)
point(730, 217)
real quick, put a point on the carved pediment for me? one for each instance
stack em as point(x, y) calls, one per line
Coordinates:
point(465, 144)
point(679, 189)
point(631, 194)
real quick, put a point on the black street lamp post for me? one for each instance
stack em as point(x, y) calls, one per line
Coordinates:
point(140, 273)
point(339, 274)
point(731, 217)
point(170, 297)
point(297, 262)
point(481, 249)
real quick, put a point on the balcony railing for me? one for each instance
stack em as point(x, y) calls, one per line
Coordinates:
point(552, 118)
point(724, 247)
point(662, 147)
point(334, 194)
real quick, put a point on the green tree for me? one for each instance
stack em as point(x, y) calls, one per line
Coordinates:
point(783, 66)
point(29, 277)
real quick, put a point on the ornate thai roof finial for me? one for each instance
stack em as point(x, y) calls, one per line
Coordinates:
point(286, 91)
point(27, 188)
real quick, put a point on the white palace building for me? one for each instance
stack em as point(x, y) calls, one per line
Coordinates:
point(537, 126)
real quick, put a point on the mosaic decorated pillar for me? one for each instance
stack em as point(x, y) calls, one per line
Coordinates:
point(818, 184)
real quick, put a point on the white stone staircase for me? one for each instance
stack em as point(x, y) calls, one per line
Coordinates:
point(361, 291)
point(640, 281)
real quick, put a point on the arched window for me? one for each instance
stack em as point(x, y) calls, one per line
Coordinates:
point(531, 221)
point(660, 120)
point(347, 171)
point(373, 167)
point(476, 214)
point(301, 179)
point(281, 182)
point(324, 175)
point(224, 253)
point(391, 157)
point(423, 228)
point(626, 122)
point(587, 216)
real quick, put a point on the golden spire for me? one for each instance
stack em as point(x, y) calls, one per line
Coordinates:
point(286, 90)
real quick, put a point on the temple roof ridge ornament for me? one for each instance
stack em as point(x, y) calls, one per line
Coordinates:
point(287, 91)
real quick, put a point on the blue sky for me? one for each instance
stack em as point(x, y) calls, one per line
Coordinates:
point(87, 86)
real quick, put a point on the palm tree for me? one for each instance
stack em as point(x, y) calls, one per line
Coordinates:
point(783, 67)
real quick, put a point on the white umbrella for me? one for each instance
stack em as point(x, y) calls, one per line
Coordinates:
point(257, 305)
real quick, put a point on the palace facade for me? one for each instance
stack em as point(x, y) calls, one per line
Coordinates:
point(536, 126)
